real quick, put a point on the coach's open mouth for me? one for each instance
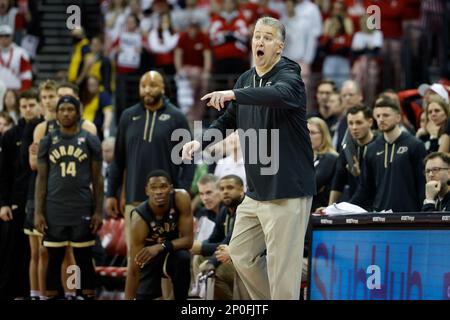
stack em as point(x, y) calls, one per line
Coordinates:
point(259, 53)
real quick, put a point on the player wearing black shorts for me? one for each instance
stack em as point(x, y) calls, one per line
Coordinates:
point(50, 92)
point(161, 236)
point(68, 213)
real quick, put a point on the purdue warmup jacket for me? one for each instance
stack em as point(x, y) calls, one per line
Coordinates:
point(392, 175)
point(275, 101)
point(143, 144)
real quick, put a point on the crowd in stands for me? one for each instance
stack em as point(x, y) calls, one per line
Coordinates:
point(201, 45)
point(370, 133)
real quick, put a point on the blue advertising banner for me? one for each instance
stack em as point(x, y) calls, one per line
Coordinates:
point(380, 265)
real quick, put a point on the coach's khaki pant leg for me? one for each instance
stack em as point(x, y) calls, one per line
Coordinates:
point(246, 248)
point(240, 292)
point(278, 226)
point(284, 223)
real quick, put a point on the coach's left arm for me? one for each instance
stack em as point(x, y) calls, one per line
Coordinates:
point(287, 92)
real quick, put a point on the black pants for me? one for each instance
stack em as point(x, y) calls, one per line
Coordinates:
point(14, 257)
point(177, 267)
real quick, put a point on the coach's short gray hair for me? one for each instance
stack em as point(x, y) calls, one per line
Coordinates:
point(275, 23)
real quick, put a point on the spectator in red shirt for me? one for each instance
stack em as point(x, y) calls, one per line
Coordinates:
point(15, 65)
point(162, 42)
point(127, 49)
point(336, 42)
point(193, 62)
point(229, 36)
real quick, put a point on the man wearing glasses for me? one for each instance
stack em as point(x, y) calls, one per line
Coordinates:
point(437, 174)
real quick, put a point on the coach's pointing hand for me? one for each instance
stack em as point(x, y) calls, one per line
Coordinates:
point(189, 149)
point(217, 99)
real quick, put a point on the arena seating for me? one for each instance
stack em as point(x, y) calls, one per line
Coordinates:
point(112, 236)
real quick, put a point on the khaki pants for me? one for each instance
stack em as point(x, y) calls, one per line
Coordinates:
point(239, 290)
point(278, 226)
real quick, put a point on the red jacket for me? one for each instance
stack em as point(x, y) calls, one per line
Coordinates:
point(412, 10)
point(410, 101)
point(339, 45)
point(392, 13)
point(229, 39)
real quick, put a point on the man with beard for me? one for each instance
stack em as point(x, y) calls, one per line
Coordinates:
point(392, 171)
point(215, 250)
point(143, 144)
point(359, 122)
point(162, 233)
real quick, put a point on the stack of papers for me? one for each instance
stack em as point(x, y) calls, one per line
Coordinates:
point(343, 208)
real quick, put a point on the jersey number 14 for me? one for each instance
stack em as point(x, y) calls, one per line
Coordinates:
point(68, 169)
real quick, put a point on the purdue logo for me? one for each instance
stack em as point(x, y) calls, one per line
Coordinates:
point(164, 117)
point(402, 150)
point(70, 151)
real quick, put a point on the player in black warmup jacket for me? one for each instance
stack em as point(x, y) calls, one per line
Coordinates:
point(68, 213)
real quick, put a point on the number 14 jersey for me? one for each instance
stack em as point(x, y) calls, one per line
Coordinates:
point(69, 158)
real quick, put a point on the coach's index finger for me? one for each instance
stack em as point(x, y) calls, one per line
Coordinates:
point(207, 96)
